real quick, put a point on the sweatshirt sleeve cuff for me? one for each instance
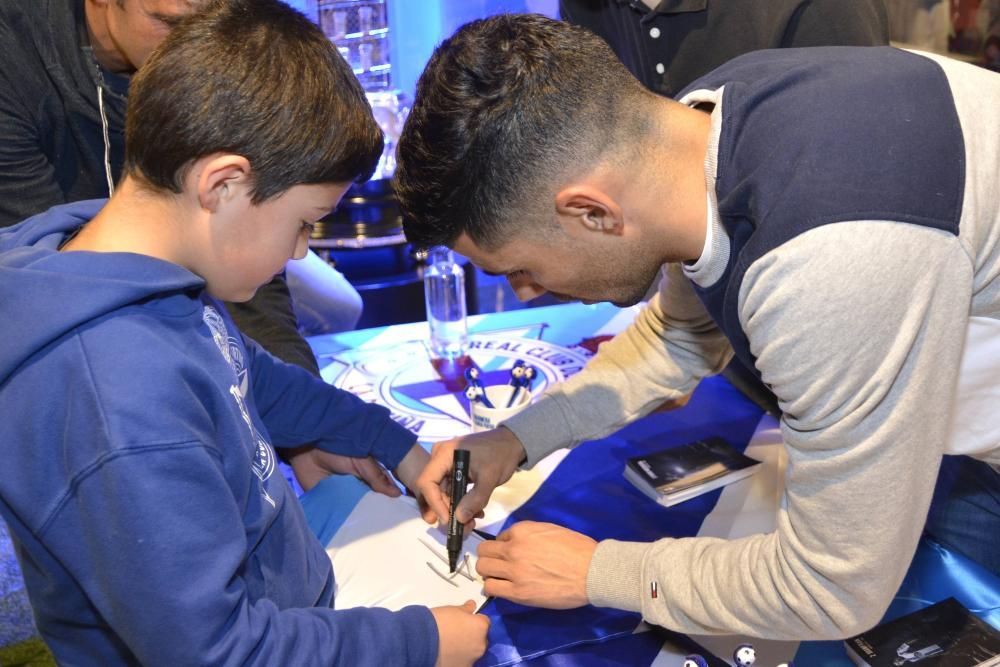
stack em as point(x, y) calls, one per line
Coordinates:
point(392, 444)
point(389, 446)
point(542, 429)
point(615, 575)
point(422, 645)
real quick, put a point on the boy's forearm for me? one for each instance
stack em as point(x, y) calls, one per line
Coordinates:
point(351, 427)
point(300, 409)
point(412, 464)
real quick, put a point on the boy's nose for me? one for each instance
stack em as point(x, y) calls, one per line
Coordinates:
point(302, 246)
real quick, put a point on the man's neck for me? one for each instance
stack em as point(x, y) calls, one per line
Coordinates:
point(105, 51)
point(676, 193)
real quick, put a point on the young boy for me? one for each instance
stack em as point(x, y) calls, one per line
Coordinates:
point(136, 421)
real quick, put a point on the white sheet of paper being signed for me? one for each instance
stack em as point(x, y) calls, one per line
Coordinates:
point(380, 558)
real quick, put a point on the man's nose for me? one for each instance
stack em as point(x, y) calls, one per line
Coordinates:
point(526, 289)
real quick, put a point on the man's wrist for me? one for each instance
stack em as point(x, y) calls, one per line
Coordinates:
point(540, 429)
point(516, 451)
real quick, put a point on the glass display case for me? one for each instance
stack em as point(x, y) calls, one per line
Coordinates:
point(360, 30)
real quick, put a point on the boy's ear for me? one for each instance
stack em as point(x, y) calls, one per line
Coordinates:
point(589, 207)
point(220, 179)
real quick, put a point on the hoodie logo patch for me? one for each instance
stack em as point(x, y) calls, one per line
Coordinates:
point(264, 459)
point(228, 346)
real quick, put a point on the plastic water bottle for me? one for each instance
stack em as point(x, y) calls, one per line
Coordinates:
point(444, 292)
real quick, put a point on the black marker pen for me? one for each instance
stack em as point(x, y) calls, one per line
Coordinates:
point(459, 481)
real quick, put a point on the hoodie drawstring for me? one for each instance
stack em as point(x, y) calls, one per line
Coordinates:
point(107, 143)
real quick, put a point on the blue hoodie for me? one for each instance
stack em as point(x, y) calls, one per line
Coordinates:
point(139, 481)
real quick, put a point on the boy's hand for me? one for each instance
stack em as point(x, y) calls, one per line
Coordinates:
point(312, 465)
point(461, 635)
point(493, 457)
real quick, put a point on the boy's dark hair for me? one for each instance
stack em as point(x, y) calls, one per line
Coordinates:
point(505, 108)
point(253, 78)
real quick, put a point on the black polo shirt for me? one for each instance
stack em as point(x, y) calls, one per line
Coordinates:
point(669, 47)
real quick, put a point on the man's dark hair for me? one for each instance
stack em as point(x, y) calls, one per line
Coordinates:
point(253, 78)
point(505, 108)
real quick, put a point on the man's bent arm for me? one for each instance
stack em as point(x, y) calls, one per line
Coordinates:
point(27, 179)
point(859, 328)
point(672, 344)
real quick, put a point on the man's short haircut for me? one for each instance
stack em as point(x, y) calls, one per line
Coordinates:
point(505, 109)
point(253, 78)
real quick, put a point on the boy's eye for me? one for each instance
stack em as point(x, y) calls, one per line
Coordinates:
point(516, 274)
point(308, 226)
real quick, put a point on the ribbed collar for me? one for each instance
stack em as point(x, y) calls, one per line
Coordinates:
point(664, 7)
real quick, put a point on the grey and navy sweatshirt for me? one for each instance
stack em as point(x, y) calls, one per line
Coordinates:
point(140, 485)
point(852, 256)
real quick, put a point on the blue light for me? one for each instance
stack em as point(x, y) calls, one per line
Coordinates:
point(417, 26)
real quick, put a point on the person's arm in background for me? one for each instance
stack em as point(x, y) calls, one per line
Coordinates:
point(268, 318)
point(839, 23)
point(27, 179)
point(325, 301)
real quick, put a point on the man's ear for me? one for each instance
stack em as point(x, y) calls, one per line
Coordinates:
point(589, 207)
point(221, 178)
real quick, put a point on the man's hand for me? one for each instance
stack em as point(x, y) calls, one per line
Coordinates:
point(312, 465)
point(493, 458)
point(537, 564)
point(461, 635)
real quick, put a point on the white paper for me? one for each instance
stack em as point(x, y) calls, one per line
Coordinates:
point(380, 558)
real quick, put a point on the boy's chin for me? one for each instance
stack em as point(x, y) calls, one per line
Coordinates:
point(231, 295)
